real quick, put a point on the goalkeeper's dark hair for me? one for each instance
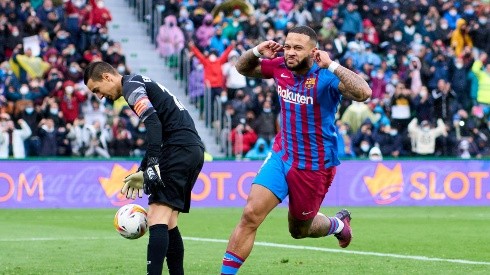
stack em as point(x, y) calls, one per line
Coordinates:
point(95, 70)
point(306, 31)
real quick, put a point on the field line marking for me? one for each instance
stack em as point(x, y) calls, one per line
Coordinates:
point(331, 250)
point(267, 244)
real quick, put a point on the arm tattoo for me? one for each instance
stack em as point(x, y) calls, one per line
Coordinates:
point(249, 65)
point(352, 86)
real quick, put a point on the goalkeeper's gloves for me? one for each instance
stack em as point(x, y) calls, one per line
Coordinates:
point(152, 179)
point(133, 185)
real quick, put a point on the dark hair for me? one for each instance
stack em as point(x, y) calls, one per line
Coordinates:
point(95, 70)
point(306, 31)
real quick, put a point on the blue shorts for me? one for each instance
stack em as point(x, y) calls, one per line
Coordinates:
point(272, 175)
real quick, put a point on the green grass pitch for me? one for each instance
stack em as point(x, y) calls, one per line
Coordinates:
point(410, 240)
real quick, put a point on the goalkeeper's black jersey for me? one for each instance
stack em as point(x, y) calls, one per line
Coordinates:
point(146, 96)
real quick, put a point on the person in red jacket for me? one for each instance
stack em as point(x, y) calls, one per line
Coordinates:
point(213, 74)
point(243, 138)
point(70, 100)
point(99, 16)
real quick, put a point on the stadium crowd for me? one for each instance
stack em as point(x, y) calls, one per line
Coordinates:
point(45, 109)
point(426, 62)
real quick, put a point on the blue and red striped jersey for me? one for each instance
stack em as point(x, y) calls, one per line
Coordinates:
point(308, 138)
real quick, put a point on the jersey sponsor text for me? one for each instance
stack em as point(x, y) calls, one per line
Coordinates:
point(292, 97)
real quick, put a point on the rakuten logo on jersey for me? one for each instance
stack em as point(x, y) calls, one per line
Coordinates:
point(294, 98)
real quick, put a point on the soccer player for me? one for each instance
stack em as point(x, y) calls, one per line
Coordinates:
point(303, 160)
point(173, 160)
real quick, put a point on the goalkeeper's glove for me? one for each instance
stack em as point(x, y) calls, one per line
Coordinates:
point(152, 179)
point(133, 185)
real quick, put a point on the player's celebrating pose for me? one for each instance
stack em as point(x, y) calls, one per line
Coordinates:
point(304, 156)
point(173, 160)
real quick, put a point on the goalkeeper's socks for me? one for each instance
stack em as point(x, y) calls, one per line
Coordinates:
point(231, 263)
point(157, 249)
point(336, 225)
point(175, 253)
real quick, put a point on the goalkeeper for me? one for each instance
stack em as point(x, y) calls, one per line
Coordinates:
point(172, 163)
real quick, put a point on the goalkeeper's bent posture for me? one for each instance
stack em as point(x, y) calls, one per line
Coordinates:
point(172, 163)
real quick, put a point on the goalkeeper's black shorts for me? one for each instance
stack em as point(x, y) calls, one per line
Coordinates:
point(179, 168)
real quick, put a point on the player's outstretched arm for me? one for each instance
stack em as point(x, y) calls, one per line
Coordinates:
point(249, 63)
point(351, 86)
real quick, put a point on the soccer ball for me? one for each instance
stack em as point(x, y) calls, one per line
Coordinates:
point(130, 221)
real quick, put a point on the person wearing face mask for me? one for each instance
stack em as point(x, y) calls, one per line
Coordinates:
point(213, 73)
point(390, 139)
point(423, 105)
point(70, 101)
point(452, 17)
point(205, 32)
point(231, 30)
point(51, 110)
point(139, 141)
point(32, 117)
point(460, 38)
point(264, 125)
point(458, 72)
point(74, 72)
point(317, 15)
point(234, 80)
point(170, 41)
point(99, 15)
point(423, 136)
point(12, 137)
point(480, 34)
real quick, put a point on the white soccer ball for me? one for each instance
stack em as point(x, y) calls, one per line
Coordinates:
point(130, 221)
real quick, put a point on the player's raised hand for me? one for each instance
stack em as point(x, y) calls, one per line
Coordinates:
point(269, 49)
point(322, 58)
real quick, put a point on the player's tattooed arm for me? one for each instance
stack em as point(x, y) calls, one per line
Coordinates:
point(352, 86)
point(249, 65)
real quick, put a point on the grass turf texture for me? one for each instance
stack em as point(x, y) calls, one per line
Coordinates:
point(85, 242)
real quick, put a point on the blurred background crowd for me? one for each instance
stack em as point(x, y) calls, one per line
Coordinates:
point(426, 62)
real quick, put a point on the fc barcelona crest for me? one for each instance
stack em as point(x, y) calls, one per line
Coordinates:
point(310, 82)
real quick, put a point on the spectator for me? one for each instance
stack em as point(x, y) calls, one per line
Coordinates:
point(205, 32)
point(300, 15)
point(12, 138)
point(99, 15)
point(458, 72)
point(356, 114)
point(480, 33)
point(99, 140)
point(389, 140)
point(265, 123)
point(48, 132)
point(401, 108)
point(423, 137)
point(483, 77)
point(121, 144)
point(26, 65)
point(32, 116)
point(139, 144)
point(423, 105)
point(170, 40)
point(79, 135)
point(213, 74)
point(234, 80)
point(260, 150)
point(243, 137)
point(445, 104)
point(344, 141)
point(218, 41)
point(375, 154)
point(70, 101)
point(363, 140)
point(351, 21)
point(328, 32)
point(452, 17)
point(460, 39)
point(233, 27)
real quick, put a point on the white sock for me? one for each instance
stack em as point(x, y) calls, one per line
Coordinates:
point(341, 225)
